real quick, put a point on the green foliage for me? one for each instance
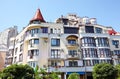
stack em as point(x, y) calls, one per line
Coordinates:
point(73, 76)
point(42, 73)
point(104, 71)
point(53, 75)
point(17, 72)
point(118, 71)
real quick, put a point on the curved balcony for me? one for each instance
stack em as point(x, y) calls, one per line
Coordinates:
point(75, 45)
point(30, 36)
point(32, 58)
point(76, 56)
point(34, 46)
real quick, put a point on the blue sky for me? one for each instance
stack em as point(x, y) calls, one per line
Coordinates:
point(19, 12)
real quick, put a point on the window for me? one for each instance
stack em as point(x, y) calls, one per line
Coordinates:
point(34, 31)
point(16, 50)
point(104, 52)
point(21, 47)
point(87, 62)
point(95, 62)
point(32, 53)
point(72, 52)
point(32, 63)
point(89, 29)
point(71, 41)
point(44, 29)
point(90, 52)
point(73, 63)
point(55, 53)
point(102, 41)
point(98, 30)
point(88, 41)
point(55, 63)
point(116, 52)
point(71, 30)
point(36, 41)
point(55, 42)
point(21, 57)
point(116, 43)
point(51, 30)
point(65, 21)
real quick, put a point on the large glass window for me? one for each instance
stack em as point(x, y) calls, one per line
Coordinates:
point(55, 53)
point(89, 29)
point(116, 43)
point(103, 52)
point(102, 41)
point(72, 41)
point(98, 30)
point(32, 63)
point(72, 52)
point(88, 41)
point(36, 41)
point(73, 63)
point(32, 53)
point(87, 62)
point(89, 52)
point(55, 42)
point(44, 29)
point(116, 52)
point(71, 30)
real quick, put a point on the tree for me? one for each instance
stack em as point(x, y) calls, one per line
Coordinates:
point(42, 73)
point(17, 72)
point(73, 76)
point(118, 71)
point(104, 71)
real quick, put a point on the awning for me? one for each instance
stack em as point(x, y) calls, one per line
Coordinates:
point(76, 72)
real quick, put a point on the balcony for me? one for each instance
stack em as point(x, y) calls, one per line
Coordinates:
point(75, 56)
point(70, 69)
point(32, 58)
point(72, 45)
point(34, 46)
point(56, 58)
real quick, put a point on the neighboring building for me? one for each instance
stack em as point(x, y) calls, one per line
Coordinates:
point(72, 44)
point(4, 44)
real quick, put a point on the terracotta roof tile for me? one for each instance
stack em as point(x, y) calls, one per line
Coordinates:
point(38, 16)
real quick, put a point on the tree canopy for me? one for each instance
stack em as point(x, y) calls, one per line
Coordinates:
point(73, 76)
point(17, 72)
point(104, 71)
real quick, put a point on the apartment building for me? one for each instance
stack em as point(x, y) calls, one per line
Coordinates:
point(4, 43)
point(71, 44)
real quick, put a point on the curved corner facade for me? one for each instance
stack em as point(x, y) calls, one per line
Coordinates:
point(72, 44)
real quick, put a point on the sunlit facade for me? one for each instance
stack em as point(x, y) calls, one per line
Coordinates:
point(71, 44)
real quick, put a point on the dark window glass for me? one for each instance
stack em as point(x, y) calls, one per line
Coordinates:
point(71, 30)
point(98, 30)
point(51, 30)
point(36, 41)
point(102, 42)
point(65, 21)
point(115, 43)
point(55, 53)
point(55, 42)
point(73, 63)
point(44, 29)
point(88, 41)
point(72, 42)
point(89, 29)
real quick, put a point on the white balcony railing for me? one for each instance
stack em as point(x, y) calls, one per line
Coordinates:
point(70, 69)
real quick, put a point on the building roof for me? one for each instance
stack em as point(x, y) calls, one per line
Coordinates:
point(38, 16)
point(112, 32)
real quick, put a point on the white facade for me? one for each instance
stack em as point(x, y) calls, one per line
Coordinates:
point(72, 44)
